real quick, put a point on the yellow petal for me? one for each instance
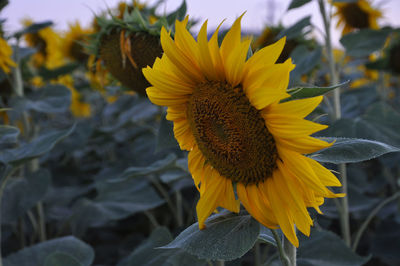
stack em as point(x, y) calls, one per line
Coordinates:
point(227, 198)
point(303, 145)
point(208, 201)
point(300, 108)
point(165, 99)
point(280, 212)
point(205, 59)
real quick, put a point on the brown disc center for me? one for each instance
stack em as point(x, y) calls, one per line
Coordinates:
point(355, 16)
point(231, 133)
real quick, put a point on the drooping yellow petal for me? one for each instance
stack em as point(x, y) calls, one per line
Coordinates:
point(227, 198)
point(165, 99)
point(303, 145)
point(252, 202)
point(280, 211)
point(208, 201)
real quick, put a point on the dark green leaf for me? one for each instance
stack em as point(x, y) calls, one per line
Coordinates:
point(226, 237)
point(61, 259)
point(350, 150)
point(305, 61)
point(36, 148)
point(266, 236)
point(51, 99)
point(295, 30)
point(49, 74)
point(115, 201)
point(21, 194)
point(297, 3)
point(8, 134)
point(33, 28)
point(37, 254)
point(326, 248)
point(364, 42)
point(301, 93)
point(165, 136)
point(3, 3)
point(178, 14)
point(160, 165)
point(148, 254)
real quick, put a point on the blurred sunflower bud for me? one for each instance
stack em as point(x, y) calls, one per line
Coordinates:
point(130, 41)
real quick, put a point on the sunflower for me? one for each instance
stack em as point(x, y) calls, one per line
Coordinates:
point(5, 56)
point(73, 42)
point(227, 113)
point(357, 15)
point(48, 45)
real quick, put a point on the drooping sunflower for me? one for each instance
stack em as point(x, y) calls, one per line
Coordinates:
point(227, 113)
point(5, 56)
point(356, 15)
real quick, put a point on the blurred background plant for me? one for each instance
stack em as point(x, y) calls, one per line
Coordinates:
point(91, 174)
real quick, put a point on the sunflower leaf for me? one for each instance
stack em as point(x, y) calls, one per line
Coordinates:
point(33, 28)
point(8, 134)
point(365, 41)
point(295, 30)
point(227, 237)
point(308, 92)
point(326, 248)
point(297, 3)
point(352, 150)
point(43, 253)
point(36, 148)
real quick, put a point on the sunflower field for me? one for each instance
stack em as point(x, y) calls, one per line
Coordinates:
point(151, 138)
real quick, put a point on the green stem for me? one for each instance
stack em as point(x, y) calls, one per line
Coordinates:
point(220, 263)
point(290, 251)
point(152, 219)
point(257, 254)
point(282, 255)
point(369, 218)
point(179, 210)
point(42, 222)
point(3, 182)
point(344, 210)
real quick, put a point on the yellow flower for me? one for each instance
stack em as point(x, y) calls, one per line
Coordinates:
point(73, 40)
point(357, 15)
point(5, 56)
point(227, 113)
point(48, 44)
point(78, 108)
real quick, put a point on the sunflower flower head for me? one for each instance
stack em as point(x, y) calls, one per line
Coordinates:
point(128, 42)
point(356, 15)
point(269, 36)
point(5, 56)
point(48, 45)
point(227, 113)
point(74, 41)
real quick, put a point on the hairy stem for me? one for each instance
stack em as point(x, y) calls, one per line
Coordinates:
point(282, 255)
point(344, 210)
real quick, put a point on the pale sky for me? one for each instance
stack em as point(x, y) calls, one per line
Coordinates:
point(62, 12)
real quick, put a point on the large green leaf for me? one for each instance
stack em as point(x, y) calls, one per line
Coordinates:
point(296, 29)
point(8, 134)
point(297, 3)
point(351, 150)
point(308, 92)
point(49, 100)
point(364, 42)
point(61, 259)
point(165, 136)
point(305, 61)
point(226, 237)
point(39, 253)
point(21, 194)
point(326, 248)
point(148, 253)
point(34, 28)
point(114, 201)
point(266, 236)
point(39, 146)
